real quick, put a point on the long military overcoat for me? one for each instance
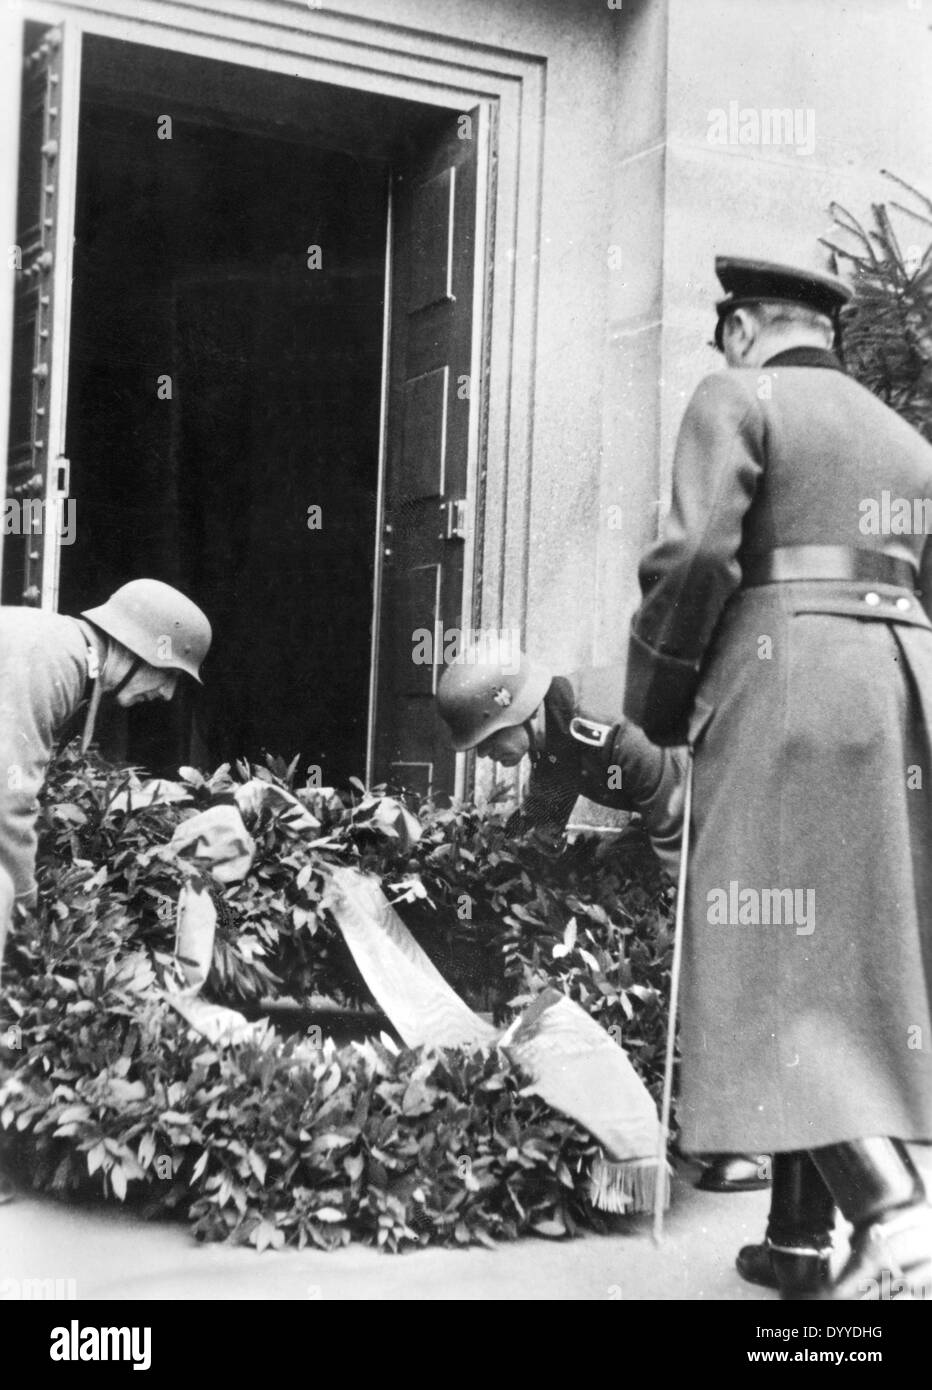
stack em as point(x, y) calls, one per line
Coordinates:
point(808, 947)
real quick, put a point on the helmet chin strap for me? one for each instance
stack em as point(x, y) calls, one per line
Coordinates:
point(134, 667)
point(94, 702)
point(535, 725)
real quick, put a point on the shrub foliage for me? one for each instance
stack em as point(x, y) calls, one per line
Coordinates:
point(888, 325)
point(106, 1090)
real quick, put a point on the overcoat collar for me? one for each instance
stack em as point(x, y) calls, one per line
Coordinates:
point(805, 357)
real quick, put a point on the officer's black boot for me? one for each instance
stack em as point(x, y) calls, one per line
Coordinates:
point(878, 1189)
point(794, 1257)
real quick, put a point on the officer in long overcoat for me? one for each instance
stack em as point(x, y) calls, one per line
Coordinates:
point(782, 633)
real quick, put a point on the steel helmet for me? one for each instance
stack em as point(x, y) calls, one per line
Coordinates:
point(482, 692)
point(156, 623)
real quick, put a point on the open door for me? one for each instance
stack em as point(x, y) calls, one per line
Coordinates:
point(37, 469)
point(430, 396)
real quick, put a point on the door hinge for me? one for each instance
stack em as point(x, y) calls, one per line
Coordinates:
point(454, 520)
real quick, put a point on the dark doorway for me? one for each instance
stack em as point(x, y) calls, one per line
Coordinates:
point(225, 379)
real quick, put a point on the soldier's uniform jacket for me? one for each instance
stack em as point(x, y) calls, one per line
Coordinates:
point(43, 674)
point(806, 1018)
point(591, 750)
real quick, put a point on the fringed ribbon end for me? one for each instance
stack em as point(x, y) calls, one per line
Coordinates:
point(627, 1187)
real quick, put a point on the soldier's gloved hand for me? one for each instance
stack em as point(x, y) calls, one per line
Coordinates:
point(547, 838)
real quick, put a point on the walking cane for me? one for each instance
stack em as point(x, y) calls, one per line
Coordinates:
point(661, 1185)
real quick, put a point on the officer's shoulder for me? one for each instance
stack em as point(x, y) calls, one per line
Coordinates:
point(736, 385)
point(723, 401)
point(871, 408)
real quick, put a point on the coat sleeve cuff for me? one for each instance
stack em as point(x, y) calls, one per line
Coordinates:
point(659, 692)
point(663, 812)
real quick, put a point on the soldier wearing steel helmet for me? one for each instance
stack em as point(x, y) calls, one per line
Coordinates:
point(508, 707)
point(131, 649)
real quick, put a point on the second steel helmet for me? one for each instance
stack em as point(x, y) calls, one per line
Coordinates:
point(485, 691)
point(156, 623)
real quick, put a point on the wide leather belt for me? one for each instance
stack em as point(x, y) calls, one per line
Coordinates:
point(786, 564)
